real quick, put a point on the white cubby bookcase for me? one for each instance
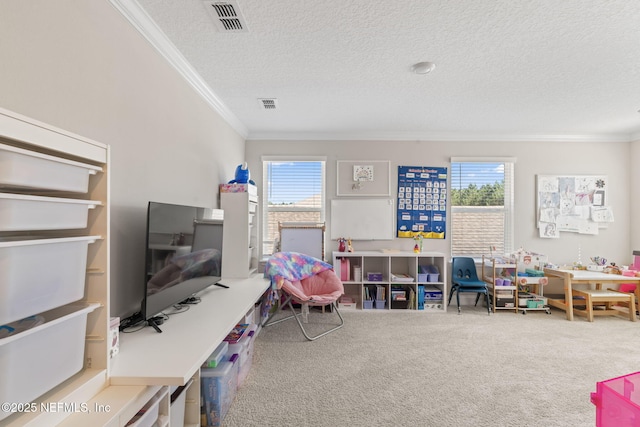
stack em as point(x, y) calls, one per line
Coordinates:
point(393, 280)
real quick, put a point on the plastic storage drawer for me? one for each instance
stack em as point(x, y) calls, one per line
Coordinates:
point(31, 362)
point(244, 349)
point(20, 212)
point(38, 275)
point(219, 387)
point(617, 401)
point(31, 170)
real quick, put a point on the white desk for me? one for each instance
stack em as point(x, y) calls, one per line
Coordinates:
point(174, 356)
point(582, 277)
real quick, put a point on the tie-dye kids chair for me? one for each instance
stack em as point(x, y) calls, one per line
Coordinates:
point(303, 280)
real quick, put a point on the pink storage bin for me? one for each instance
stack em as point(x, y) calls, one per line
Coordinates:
point(617, 401)
point(499, 281)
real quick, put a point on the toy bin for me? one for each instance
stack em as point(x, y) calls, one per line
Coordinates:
point(432, 293)
point(28, 365)
point(218, 389)
point(535, 303)
point(23, 169)
point(148, 416)
point(244, 349)
point(38, 275)
point(428, 273)
point(617, 401)
point(19, 212)
point(347, 303)
point(216, 357)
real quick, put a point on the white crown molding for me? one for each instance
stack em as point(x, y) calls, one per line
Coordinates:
point(142, 22)
point(437, 137)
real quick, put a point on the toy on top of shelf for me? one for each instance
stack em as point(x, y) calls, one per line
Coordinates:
point(417, 248)
point(243, 175)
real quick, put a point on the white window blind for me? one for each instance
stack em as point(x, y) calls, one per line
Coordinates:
point(481, 206)
point(294, 191)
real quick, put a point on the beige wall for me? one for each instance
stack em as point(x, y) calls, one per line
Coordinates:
point(79, 65)
point(533, 158)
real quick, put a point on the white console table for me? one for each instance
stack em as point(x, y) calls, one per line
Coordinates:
point(173, 357)
point(150, 362)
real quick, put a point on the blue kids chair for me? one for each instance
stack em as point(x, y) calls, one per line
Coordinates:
point(464, 278)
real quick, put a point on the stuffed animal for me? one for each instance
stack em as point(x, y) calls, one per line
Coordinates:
point(243, 175)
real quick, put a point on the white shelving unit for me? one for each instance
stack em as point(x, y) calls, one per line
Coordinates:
point(534, 284)
point(240, 241)
point(494, 271)
point(498, 268)
point(398, 272)
point(531, 284)
point(41, 161)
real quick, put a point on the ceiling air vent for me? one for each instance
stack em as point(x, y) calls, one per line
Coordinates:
point(268, 103)
point(227, 16)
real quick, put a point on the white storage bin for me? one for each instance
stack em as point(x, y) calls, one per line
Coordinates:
point(35, 361)
point(19, 212)
point(148, 415)
point(31, 170)
point(38, 275)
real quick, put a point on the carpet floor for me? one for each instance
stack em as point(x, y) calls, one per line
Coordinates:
point(408, 368)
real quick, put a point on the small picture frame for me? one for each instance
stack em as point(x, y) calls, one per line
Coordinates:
point(363, 178)
point(362, 173)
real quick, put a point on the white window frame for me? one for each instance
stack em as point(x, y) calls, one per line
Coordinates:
point(266, 187)
point(509, 184)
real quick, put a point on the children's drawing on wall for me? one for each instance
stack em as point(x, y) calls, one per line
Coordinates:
point(549, 230)
point(574, 204)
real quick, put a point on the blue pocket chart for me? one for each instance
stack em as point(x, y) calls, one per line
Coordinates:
point(422, 201)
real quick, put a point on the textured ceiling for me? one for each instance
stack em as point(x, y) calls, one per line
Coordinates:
point(540, 69)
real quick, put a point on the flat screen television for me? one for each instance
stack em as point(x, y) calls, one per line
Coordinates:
point(183, 255)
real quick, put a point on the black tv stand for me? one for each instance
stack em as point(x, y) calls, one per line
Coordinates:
point(154, 322)
point(221, 285)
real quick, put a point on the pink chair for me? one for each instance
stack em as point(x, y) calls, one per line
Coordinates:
point(306, 281)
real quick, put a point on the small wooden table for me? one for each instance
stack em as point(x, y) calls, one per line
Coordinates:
point(583, 277)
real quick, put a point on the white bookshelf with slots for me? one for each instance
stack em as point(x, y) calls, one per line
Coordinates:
point(393, 280)
point(241, 220)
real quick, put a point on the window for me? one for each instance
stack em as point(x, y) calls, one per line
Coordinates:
point(293, 192)
point(481, 206)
